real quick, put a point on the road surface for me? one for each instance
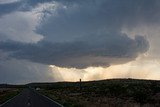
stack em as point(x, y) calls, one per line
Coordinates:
point(30, 98)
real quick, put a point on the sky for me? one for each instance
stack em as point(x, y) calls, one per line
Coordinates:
point(65, 40)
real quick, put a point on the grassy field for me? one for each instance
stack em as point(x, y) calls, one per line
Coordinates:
point(7, 93)
point(105, 93)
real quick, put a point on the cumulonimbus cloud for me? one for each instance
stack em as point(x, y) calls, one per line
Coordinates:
point(100, 50)
point(85, 33)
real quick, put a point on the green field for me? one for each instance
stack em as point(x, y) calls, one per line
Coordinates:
point(105, 93)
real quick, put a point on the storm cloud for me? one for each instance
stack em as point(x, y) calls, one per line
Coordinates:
point(82, 33)
point(75, 34)
point(95, 50)
point(74, 19)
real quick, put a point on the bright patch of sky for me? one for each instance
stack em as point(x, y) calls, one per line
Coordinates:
point(8, 1)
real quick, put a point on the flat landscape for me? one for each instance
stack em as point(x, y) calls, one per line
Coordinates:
point(9, 91)
point(104, 93)
point(6, 94)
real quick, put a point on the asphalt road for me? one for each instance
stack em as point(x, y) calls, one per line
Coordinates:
point(30, 98)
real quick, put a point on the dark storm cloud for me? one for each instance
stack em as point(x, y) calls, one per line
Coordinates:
point(77, 53)
point(91, 16)
point(82, 33)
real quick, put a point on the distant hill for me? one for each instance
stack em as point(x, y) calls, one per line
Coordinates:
point(11, 86)
point(104, 93)
point(106, 81)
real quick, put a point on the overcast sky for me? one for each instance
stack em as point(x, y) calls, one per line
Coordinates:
point(64, 40)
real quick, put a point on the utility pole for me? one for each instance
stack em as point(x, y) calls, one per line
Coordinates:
point(80, 84)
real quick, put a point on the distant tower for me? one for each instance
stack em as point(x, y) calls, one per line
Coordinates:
point(80, 84)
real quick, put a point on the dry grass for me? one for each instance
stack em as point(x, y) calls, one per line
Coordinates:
point(7, 93)
point(115, 93)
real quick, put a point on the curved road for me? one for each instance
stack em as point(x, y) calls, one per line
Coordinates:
point(30, 98)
